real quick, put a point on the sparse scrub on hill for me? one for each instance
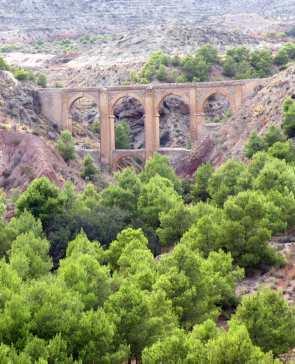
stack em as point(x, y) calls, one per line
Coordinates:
point(289, 118)
point(22, 74)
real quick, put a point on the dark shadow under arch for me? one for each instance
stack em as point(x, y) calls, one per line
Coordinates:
point(217, 107)
point(174, 122)
point(129, 115)
point(85, 120)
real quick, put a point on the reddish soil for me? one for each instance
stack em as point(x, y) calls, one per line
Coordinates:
point(24, 157)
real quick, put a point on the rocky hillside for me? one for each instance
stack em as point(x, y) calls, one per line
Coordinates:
point(103, 16)
point(99, 42)
point(25, 148)
point(257, 114)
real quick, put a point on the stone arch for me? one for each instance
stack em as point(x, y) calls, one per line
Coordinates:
point(181, 95)
point(130, 110)
point(74, 96)
point(217, 106)
point(115, 99)
point(84, 118)
point(174, 121)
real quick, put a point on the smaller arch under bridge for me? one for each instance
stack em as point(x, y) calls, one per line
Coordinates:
point(56, 104)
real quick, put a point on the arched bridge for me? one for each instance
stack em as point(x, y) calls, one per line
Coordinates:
point(56, 104)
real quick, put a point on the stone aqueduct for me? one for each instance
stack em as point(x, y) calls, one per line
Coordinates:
point(56, 104)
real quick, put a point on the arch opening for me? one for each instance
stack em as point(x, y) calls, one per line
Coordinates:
point(217, 108)
point(129, 123)
point(174, 123)
point(85, 120)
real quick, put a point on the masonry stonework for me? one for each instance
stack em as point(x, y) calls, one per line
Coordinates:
point(56, 105)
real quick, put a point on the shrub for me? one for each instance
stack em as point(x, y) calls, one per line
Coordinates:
point(269, 319)
point(23, 75)
point(281, 57)
point(254, 145)
point(122, 135)
point(230, 179)
point(42, 198)
point(289, 118)
point(196, 68)
point(261, 60)
point(262, 143)
point(162, 73)
point(209, 54)
point(273, 135)
point(3, 65)
point(157, 195)
point(290, 49)
point(242, 228)
point(89, 170)
point(283, 150)
point(42, 80)
point(202, 177)
point(229, 66)
point(159, 165)
point(66, 146)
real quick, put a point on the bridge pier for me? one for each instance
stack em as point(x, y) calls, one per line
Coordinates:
point(106, 135)
point(150, 125)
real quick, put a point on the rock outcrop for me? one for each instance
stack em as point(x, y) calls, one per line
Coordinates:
point(18, 101)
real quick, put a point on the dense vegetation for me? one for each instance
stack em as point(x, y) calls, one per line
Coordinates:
point(237, 63)
point(79, 282)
